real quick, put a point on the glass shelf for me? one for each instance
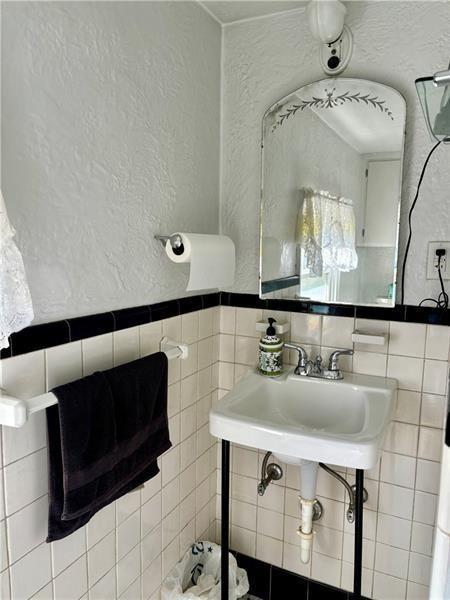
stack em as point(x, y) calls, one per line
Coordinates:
point(435, 101)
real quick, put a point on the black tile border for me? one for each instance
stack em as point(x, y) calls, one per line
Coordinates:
point(258, 573)
point(243, 300)
point(211, 300)
point(190, 304)
point(282, 581)
point(89, 326)
point(164, 310)
point(38, 337)
point(6, 352)
point(131, 317)
point(284, 584)
point(423, 314)
point(279, 284)
point(396, 313)
point(400, 312)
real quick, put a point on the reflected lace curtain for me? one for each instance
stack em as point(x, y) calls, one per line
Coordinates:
point(326, 230)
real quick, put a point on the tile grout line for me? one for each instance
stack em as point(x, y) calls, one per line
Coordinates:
point(376, 534)
point(417, 458)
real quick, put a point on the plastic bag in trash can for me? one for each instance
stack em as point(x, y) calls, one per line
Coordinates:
point(197, 575)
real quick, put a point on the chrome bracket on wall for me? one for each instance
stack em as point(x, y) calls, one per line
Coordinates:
point(175, 241)
point(271, 472)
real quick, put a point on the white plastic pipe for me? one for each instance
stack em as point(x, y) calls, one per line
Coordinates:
point(306, 531)
point(308, 484)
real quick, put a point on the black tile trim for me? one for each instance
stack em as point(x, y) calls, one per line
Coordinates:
point(284, 584)
point(131, 317)
point(279, 284)
point(165, 310)
point(269, 582)
point(381, 313)
point(447, 429)
point(332, 310)
point(190, 304)
point(211, 300)
point(242, 300)
point(259, 574)
point(424, 314)
point(38, 337)
point(89, 326)
point(399, 312)
point(6, 352)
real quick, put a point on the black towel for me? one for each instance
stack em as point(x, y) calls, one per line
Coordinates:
point(104, 437)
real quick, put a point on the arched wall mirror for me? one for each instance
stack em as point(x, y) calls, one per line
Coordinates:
point(331, 185)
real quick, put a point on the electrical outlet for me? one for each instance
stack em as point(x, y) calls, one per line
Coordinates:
point(433, 260)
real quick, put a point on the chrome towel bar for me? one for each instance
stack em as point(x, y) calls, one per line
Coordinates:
point(14, 412)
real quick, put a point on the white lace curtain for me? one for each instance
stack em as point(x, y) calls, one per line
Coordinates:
point(16, 310)
point(326, 230)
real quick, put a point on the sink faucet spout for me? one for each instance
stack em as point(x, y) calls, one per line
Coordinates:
point(303, 364)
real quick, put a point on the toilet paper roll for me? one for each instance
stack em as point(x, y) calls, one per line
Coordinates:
point(212, 259)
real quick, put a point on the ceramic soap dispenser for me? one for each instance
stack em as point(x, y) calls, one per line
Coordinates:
point(271, 352)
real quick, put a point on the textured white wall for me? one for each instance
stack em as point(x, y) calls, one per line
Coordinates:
point(265, 59)
point(110, 134)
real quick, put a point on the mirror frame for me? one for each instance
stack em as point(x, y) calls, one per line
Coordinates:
point(296, 278)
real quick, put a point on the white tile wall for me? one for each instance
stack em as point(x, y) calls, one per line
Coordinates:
point(129, 546)
point(400, 513)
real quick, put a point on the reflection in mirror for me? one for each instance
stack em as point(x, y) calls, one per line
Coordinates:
point(331, 182)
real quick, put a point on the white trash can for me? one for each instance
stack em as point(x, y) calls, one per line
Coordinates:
point(197, 575)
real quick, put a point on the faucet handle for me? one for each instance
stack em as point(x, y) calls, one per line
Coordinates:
point(333, 364)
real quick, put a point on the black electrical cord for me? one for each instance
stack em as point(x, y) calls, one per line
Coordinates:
point(442, 299)
point(408, 243)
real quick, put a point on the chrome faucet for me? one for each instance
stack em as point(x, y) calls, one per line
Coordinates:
point(303, 364)
point(308, 368)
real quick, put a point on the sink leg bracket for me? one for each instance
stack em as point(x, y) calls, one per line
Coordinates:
point(359, 500)
point(225, 526)
point(225, 517)
point(357, 496)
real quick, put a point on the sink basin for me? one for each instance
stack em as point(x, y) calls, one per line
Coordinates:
point(339, 422)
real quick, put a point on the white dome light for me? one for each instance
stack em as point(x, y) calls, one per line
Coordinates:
point(326, 19)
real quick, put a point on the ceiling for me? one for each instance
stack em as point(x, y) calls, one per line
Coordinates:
point(229, 11)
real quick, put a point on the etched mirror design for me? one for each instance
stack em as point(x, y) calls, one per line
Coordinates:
point(331, 184)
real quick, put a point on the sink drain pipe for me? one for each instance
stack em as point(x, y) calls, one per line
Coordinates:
point(308, 478)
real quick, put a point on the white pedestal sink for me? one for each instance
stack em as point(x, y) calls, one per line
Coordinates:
point(339, 422)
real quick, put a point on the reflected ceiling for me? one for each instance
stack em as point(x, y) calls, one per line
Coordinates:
point(377, 134)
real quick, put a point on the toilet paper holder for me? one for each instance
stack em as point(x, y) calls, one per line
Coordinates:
point(175, 241)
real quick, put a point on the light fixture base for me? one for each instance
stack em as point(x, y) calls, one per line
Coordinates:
point(335, 56)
